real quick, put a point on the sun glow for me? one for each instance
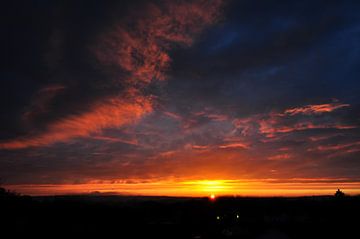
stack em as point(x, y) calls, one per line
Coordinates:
point(210, 186)
point(197, 188)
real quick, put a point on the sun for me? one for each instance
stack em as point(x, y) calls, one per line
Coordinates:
point(212, 197)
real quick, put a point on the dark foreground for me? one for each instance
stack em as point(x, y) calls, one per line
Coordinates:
point(162, 217)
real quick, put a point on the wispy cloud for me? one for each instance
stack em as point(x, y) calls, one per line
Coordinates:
point(234, 146)
point(111, 113)
point(348, 146)
point(315, 109)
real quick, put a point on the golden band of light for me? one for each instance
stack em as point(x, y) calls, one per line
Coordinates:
point(295, 187)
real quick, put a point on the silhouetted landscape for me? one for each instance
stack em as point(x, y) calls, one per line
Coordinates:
point(171, 217)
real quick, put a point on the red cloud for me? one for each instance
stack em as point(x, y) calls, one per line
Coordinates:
point(279, 157)
point(200, 147)
point(352, 146)
point(172, 115)
point(139, 47)
point(234, 145)
point(110, 113)
point(274, 123)
point(315, 109)
point(271, 128)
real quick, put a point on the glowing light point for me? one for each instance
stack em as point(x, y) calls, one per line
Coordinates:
point(218, 218)
point(212, 197)
point(237, 216)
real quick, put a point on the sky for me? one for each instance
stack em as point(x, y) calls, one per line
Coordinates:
point(184, 98)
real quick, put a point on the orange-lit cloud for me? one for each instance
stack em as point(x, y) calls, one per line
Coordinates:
point(270, 129)
point(234, 145)
point(274, 124)
point(279, 157)
point(315, 109)
point(348, 146)
point(200, 147)
point(172, 115)
point(212, 116)
point(110, 113)
point(139, 47)
point(112, 139)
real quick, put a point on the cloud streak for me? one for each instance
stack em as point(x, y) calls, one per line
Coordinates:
point(292, 120)
point(111, 113)
point(315, 109)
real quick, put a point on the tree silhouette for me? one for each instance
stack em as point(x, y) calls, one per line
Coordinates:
point(4, 193)
point(339, 194)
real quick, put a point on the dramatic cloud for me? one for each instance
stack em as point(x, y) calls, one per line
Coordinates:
point(153, 96)
point(111, 113)
point(138, 47)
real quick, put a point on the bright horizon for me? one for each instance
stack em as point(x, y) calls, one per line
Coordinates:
point(195, 188)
